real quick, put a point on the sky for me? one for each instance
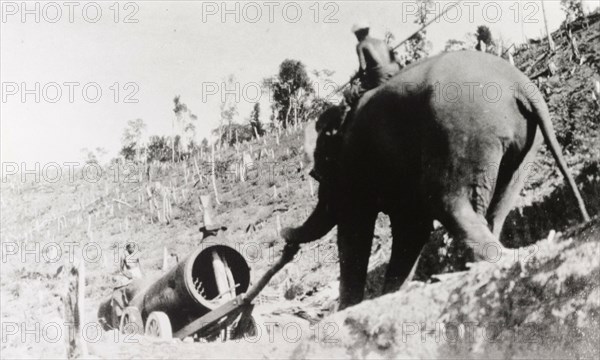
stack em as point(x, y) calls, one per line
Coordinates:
point(140, 54)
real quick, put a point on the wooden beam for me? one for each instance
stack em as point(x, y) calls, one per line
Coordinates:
point(228, 309)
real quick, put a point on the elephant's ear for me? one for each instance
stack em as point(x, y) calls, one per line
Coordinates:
point(330, 121)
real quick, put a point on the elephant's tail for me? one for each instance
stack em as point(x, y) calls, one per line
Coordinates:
point(535, 107)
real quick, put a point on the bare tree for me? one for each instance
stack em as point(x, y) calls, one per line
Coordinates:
point(184, 128)
point(228, 109)
point(548, 34)
point(255, 123)
point(131, 139)
point(179, 109)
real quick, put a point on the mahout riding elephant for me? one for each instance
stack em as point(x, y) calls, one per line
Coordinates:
point(451, 138)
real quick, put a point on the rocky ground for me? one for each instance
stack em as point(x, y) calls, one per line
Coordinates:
point(544, 305)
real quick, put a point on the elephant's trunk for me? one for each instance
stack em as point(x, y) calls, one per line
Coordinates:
point(318, 224)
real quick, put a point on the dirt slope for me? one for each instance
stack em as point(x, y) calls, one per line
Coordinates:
point(545, 306)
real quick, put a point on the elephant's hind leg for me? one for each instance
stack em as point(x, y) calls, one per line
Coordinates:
point(410, 232)
point(514, 173)
point(355, 237)
point(465, 207)
point(465, 224)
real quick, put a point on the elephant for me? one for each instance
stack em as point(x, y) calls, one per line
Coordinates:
point(449, 138)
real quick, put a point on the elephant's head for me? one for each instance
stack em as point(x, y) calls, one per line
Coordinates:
point(322, 143)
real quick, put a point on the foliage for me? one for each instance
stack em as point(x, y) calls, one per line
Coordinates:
point(317, 103)
point(484, 34)
point(204, 143)
point(417, 47)
point(291, 88)
point(455, 45)
point(129, 151)
point(159, 149)
point(324, 95)
point(316, 107)
point(239, 133)
point(92, 155)
point(576, 120)
point(442, 254)
point(133, 131)
point(180, 107)
point(573, 8)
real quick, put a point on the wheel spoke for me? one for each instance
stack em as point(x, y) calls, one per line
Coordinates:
point(158, 325)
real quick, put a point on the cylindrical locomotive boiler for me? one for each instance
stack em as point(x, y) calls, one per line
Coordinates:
point(207, 278)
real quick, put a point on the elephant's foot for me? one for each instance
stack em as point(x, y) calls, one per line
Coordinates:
point(347, 300)
point(392, 285)
point(403, 263)
point(395, 283)
point(496, 253)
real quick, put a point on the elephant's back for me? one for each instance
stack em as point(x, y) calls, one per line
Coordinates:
point(460, 87)
point(464, 68)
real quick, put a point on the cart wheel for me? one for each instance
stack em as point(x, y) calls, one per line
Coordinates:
point(158, 325)
point(131, 321)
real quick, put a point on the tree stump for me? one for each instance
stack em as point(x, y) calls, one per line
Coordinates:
point(73, 302)
point(207, 215)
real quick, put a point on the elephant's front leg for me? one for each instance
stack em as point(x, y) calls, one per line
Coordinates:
point(410, 232)
point(355, 236)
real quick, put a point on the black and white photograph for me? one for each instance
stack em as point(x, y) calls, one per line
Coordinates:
point(408, 179)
